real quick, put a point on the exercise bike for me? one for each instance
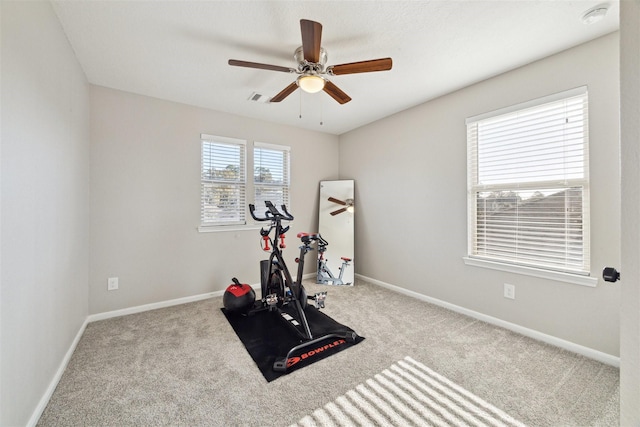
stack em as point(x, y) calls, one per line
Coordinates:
point(280, 293)
point(325, 276)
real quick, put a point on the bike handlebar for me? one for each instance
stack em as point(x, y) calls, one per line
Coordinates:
point(272, 213)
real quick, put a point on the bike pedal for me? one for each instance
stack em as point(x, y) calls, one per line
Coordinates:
point(319, 299)
point(271, 300)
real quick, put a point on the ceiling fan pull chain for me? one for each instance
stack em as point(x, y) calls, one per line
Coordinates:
point(300, 98)
point(321, 104)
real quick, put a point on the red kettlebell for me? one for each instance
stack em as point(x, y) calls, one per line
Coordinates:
point(238, 297)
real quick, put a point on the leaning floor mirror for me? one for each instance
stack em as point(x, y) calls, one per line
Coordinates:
point(335, 249)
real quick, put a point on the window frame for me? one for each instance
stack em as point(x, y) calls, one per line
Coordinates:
point(248, 185)
point(286, 173)
point(474, 187)
point(240, 183)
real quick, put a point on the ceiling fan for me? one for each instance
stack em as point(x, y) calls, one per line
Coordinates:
point(311, 70)
point(348, 206)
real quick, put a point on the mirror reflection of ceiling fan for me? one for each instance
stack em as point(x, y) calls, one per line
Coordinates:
point(311, 59)
point(348, 206)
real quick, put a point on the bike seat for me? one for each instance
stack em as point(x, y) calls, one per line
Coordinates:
point(345, 259)
point(310, 235)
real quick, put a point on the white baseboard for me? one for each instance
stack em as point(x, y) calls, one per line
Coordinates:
point(531, 333)
point(169, 303)
point(152, 306)
point(44, 400)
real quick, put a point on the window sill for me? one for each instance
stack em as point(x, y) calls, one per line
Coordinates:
point(222, 228)
point(535, 272)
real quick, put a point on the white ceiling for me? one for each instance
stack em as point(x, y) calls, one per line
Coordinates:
point(178, 50)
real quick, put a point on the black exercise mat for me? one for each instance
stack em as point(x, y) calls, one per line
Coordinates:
point(268, 337)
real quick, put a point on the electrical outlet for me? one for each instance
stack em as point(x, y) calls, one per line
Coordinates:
point(509, 291)
point(112, 284)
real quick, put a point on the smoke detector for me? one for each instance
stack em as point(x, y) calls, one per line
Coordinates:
point(595, 14)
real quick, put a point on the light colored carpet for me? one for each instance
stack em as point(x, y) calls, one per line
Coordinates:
point(408, 393)
point(184, 366)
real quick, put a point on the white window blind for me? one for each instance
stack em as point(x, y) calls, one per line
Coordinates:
point(271, 174)
point(528, 184)
point(223, 181)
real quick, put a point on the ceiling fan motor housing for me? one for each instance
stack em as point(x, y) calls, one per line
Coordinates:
point(306, 67)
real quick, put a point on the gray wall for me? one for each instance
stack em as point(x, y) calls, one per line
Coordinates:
point(45, 204)
point(145, 195)
point(630, 177)
point(411, 224)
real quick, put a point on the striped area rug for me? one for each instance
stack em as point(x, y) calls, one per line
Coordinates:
point(408, 394)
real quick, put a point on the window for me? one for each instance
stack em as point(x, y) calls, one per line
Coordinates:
point(224, 185)
point(271, 174)
point(223, 181)
point(528, 184)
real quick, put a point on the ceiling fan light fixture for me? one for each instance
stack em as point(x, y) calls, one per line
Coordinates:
point(311, 83)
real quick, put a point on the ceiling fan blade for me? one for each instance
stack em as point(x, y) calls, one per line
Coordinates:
point(285, 92)
point(311, 38)
point(336, 93)
point(248, 64)
point(340, 202)
point(339, 211)
point(382, 64)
